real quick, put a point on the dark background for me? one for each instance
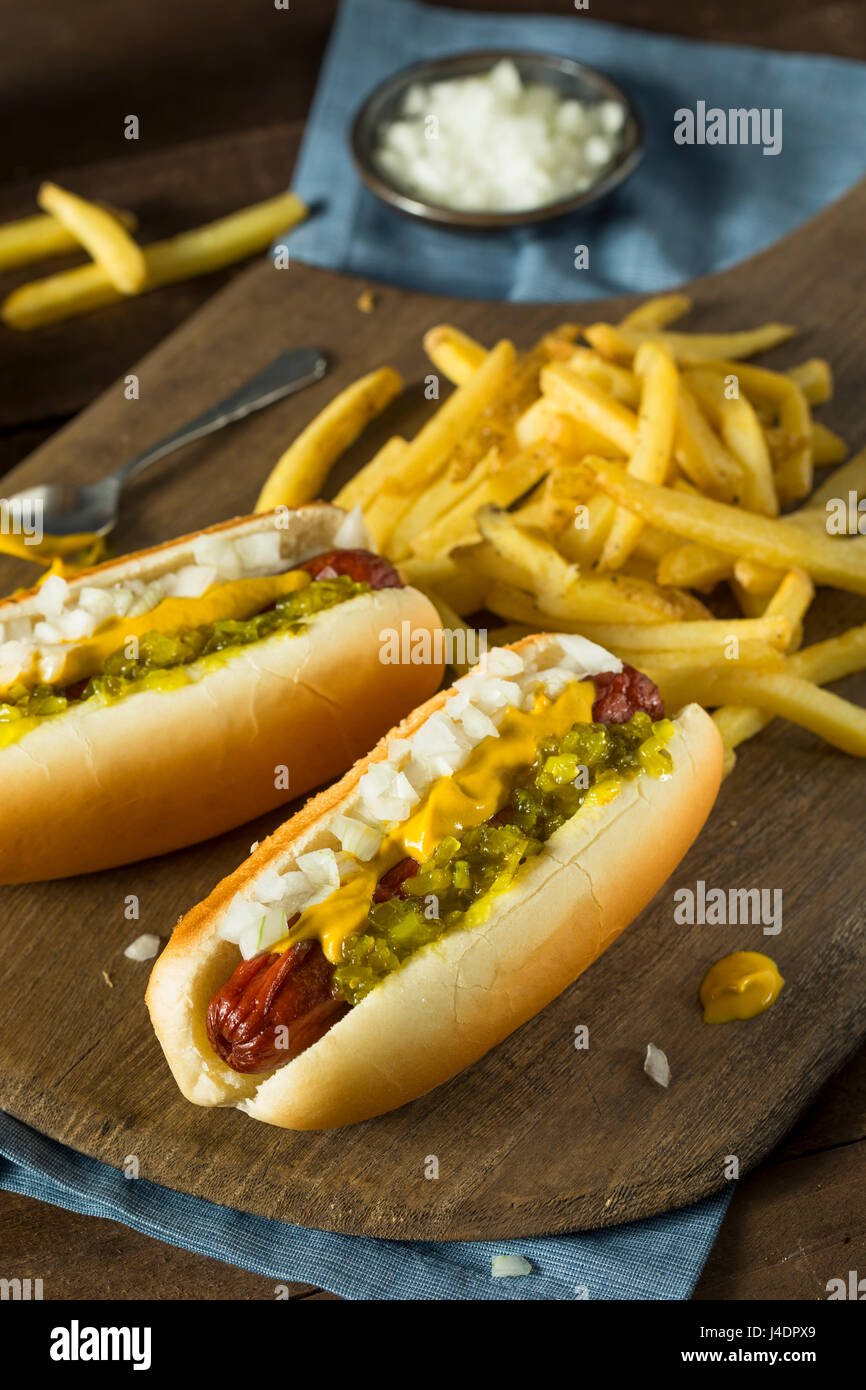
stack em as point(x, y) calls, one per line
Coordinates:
point(221, 88)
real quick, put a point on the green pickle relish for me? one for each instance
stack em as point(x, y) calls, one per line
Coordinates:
point(466, 868)
point(162, 652)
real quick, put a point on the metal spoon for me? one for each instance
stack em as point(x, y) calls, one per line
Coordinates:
point(71, 509)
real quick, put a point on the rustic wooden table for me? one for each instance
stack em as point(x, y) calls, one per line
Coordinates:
point(222, 89)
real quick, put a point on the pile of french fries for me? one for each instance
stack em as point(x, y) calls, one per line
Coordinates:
point(119, 267)
point(605, 482)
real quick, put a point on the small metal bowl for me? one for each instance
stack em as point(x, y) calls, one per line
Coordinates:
point(574, 80)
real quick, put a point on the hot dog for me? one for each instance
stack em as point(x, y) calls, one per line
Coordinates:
point(450, 886)
point(165, 697)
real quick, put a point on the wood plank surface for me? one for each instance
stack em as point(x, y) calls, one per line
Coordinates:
point(536, 1137)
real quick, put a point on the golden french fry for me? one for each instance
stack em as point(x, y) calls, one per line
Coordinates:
point(299, 475)
point(717, 636)
point(501, 487)
point(622, 343)
point(362, 489)
point(783, 394)
point(453, 352)
point(827, 446)
point(658, 312)
point(701, 454)
point(739, 427)
point(441, 499)
point(851, 477)
point(793, 698)
point(38, 238)
point(461, 590)
point(536, 564)
point(694, 567)
point(619, 382)
point(602, 598)
point(100, 233)
point(653, 447)
point(814, 378)
point(591, 405)
point(196, 252)
point(735, 532)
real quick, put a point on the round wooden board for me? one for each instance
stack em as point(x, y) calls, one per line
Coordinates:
point(538, 1137)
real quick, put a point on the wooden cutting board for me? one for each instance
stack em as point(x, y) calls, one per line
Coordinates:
point(537, 1137)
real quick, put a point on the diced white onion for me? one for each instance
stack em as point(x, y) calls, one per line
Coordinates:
point(191, 581)
point(509, 1266)
point(586, 658)
point(496, 694)
point(320, 867)
point(151, 595)
point(98, 602)
point(122, 597)
point(216, 550)
point(502, 662)
point(49, 633)
point(144, 947)
point(19, 630)
point(269, 887)
point(260, 553)
point(52, 595)
point(77, 624)
point(258, 936)
point(352, 533)
point(356, 837)
point(239, 918)
point(656, 1065)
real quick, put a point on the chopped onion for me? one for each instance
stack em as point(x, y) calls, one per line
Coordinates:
point(509, 1266)
point(122, 597)
point(258, 936)
point(144, 947)
point(260, 552)
point(15, 654)
point(656, 1065)
point(501, 662)
point(99, 602)
point(586, 658)
point(554, 680)
point(151, 595)
point(352, 533)
point(320, 867)
point(48, 633)
point(496, 694)
point(52, 595)
point(19, 630)
point(77, 624)
point(221, 553)
point(356, 837)
point(191, 581)
point(269, 887)
point(240, 917)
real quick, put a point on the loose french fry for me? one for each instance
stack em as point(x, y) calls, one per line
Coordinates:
point(701, 454)
point(538, 565)
point(733, 531)
point(500, 487)
point(739, 427)
point(453, 352)
point(653, 447)
point(591, 405)
point(583, 539)
point(461, 590)
point(783, 394)
point(694, 567)
point(298, 476)
point(441, 499)
point(716, 636)
point(106, 239)
point(814, 378)
point(622, 343)
point(699, 664)
point(757, 578)
point(800, 701)
point(619, 382)
point(614, 598)
point(38, 238)
point(827, 447)
point(362, 489)
point(196, 252)
point(658, 312)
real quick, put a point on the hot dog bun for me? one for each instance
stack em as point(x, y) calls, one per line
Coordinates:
point(98, 786)
point(454, 1000)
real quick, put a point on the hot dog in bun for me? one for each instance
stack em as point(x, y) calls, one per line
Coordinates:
point(167, 696)
point(443, 892)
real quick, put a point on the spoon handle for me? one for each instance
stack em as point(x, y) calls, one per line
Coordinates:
point(287, 373)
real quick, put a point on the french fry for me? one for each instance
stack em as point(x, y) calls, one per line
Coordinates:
point(591, 405)
point(101, 234)
point(362, 489)
point(615, 598)
point(440, 499)
point(733, 531)
point(783, 394)
point(621, 344)
point(500, 487)
point(38, 238)
point(299, 474)
point(539, 566)
point(716, 636)
point(583, 539)
point(827, 447)
point(658, 312)
point(196, 252)
point(694, 567)
point(619, 382)
point(701, 454)
point(653, 447)
point(814, 378)
point(699, 664)
point(453, 353)
point(739, 427)
point(851, 477)
point(798, 700)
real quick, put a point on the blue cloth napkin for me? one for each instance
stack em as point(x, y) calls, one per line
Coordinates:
point(658, 1258)
point(688, 209)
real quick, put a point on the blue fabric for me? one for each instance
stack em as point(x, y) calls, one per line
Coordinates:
point(686, 211)
point(659, 1258)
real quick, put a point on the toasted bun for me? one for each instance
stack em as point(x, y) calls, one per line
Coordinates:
point(99, 786)
point(454, 1000)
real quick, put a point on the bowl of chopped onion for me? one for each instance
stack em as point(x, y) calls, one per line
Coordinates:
point(497, 138)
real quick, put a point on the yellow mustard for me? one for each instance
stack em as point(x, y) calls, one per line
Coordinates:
point(739, 986)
